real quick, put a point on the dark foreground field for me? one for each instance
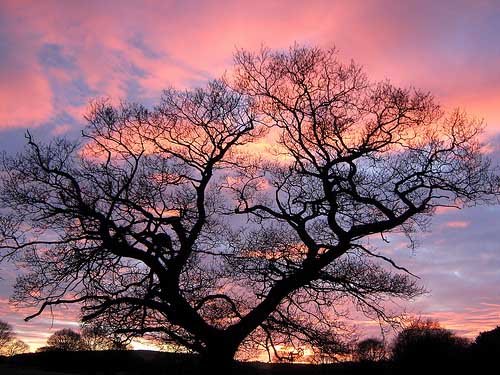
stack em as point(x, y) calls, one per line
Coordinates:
point(151, 363)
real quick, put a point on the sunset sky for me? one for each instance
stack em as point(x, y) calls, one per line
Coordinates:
point(55, 56)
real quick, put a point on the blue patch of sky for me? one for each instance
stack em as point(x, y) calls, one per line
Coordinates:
point(480, 35)
point(462, 36)
point(53, 56)
point(124, 65)
point(73, 92)
point(138, 41)
point(12, 140)
point(6, 47)
point(76, 92)
point(75, 125)
point(135, 93)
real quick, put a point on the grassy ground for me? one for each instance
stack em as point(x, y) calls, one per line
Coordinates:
point(16, 370)
point(156, 363)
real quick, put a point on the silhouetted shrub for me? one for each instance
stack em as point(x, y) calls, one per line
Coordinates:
point(426, 344)
point(486, 348)
point(45, 349)
point(370, 350)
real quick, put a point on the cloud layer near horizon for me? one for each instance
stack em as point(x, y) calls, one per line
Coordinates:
point(57, 56)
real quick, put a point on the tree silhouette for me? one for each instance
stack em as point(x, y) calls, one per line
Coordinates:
point(9, 344)
point(486, 347)
point(66, 340)
point(13, 347)
point(168, 222)
point(370, 350)
point(6, 334)
point(427, 344)
point(97, 338)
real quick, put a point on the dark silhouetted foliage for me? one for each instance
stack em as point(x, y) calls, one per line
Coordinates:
point(486, 347)
point(159, 363)
point(44, 349)
point(6, 333)
point(370, 350)
point(66, 340)
point(9, 344)
point(427, 344)
point(14, 347)
point(96, 338)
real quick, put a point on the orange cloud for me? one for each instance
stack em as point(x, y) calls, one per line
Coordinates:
point(470, 321)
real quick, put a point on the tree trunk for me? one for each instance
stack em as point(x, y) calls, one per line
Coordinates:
point(218, 358)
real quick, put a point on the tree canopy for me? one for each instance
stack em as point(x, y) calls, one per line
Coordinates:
point(9, 344)
point(66, 340)
point(175, 221)
point(370, 350)
point(487, 345)
point(427, 344)
point(6, 333)
point(97, 338)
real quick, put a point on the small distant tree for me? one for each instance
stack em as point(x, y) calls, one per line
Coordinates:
point(288, 355)
point(6, 334)
point(9, 344)
point(66, 340)
point(370, 350)
point(14, 347)
point(96, 338)
point(426, 342)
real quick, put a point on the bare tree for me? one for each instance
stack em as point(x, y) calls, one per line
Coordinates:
point(98, 338)
point(95, 338)
point(14, 347)
point(353, 160)
point(6, 334)
point(66, 340)
point(164, 222)
point(425, 343)
point(9, 344)
point(370, 350)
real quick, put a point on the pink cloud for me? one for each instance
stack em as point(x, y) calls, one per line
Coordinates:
point(25, 99)
point(469, 321)
point(178, 42)
point(457, 224)
point(445, 210)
